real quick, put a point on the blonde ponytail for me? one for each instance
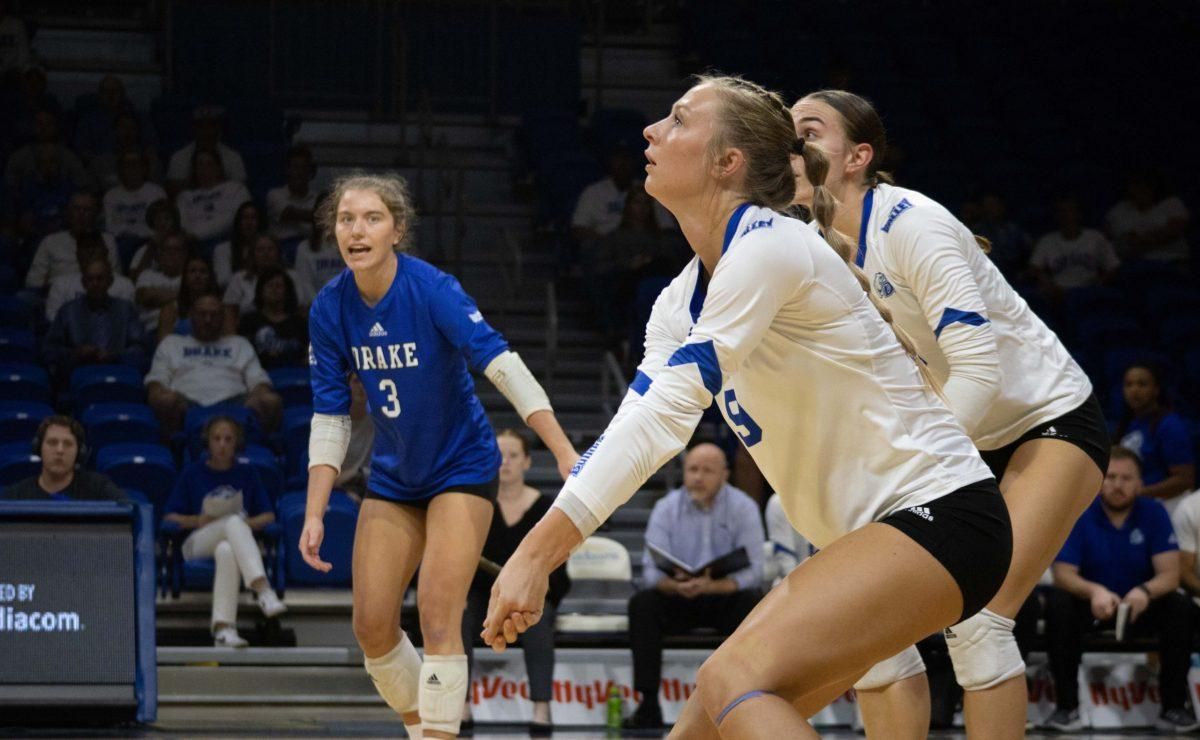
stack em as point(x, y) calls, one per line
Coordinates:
point(824, 207)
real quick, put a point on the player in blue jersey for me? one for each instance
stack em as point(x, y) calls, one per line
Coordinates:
point(411, 335)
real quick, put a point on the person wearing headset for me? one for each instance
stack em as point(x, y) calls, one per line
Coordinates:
point(224, 503)
point(61, 444)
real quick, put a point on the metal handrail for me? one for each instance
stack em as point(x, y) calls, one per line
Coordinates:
point(612, 384)
point(551, 336)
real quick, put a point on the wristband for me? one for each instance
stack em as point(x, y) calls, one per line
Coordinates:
point(1147, 590)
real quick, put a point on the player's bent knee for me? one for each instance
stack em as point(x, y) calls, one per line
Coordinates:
point(396, 676)
point(443, 689)
point(723, 677)
point(374, 630)
point(904, 664)
point(984, 651)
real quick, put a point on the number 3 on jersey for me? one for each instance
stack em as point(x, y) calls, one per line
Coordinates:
point(392, 410)
point(746, 428)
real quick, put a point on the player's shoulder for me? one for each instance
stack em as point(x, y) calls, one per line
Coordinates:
point(903, 212)
point(769, 240)
point(329, 297)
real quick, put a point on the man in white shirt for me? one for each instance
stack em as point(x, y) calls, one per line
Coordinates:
point(206, 127)
point(601, 204)
point(206, 368)
point(126, 204)
point(1072, 256)
point(1186, 520)
point(69, 286)
point(290, 207)
point(1149, 224)
point(56, 254)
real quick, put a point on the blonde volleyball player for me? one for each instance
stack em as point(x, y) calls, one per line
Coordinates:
point(870, 465)
point(1024, 402)
point(411, 335)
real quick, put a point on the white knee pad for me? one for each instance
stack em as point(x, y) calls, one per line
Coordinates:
point(905, 664)
point(396, 675)
point(984, 651)
point(443, 691)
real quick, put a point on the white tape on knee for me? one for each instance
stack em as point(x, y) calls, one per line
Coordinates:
point(396, 675)
point(905, 664)
point(443, 691)
point(984, 651)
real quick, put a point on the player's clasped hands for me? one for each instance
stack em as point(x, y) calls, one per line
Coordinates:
point(518, 597)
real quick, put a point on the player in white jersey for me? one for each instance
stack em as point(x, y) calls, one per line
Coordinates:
point(869, 463)
point(1025, 403)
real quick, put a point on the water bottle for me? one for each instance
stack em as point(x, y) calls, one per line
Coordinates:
point(614, 708)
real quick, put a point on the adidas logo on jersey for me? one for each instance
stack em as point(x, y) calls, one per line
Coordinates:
point(377, 331)
point(921, 511)
point(433, 680)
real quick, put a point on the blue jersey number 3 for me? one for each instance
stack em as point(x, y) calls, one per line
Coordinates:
point(746, 428)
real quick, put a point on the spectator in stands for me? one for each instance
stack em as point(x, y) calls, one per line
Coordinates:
point(205, 368)
point(224, 503)
point(1121, 555)
point(206, 133)
point(290, 207)
point(317, 259)
point(705, 519)
point(1156, 434)
point(276, 328)
point(69, 286)
point(197, 280)
point(95, 328)
point(23, 162)
point(239, 296)
point(518, 508)
point(33, 97)
point(601, 205)
point(56, 254)
point(158, 286)
point(231, 256)
point(14, 45)
point(127, 205)
point(356, 468)
point(162, 217)
point(127, 137)
point(1148, 223)
point(1072, 256)
point(43, 198)
point(96, 124)
point(207, 208)
point(788, 547)
point(61, 443)
point(1010, 243)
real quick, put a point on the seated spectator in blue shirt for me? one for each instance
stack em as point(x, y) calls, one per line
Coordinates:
point(1121, 555)
point(702, 521)
point(95, 328)
point(62, 444)
point(1156, 434)
point(224, 503)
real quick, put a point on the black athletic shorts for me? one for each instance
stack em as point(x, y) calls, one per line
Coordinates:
point(487, 490)
point(969, 533)
point(1083, 427)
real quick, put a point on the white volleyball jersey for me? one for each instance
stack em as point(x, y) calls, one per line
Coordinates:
point(961, 313)
point(804, 370)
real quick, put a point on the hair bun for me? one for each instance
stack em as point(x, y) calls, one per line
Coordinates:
point(798, 147)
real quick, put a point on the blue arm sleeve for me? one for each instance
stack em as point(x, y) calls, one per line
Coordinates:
point(1072, 550)
point(327, 362)
point(458, 319)
point(1175, 443)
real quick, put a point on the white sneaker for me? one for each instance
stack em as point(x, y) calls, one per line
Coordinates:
point(270, 604)
point(228, 637)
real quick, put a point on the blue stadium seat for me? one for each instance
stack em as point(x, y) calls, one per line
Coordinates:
point(106, 384)
point(114, 423)
point(1179, 333)
point(17, 345)
point(15, 313)
point(17, 462)
point(146, 467)
point(269, 469)
point(23, 381)
point(293, 384)
point(19, 420)
point(337, 548)
point(296, 421)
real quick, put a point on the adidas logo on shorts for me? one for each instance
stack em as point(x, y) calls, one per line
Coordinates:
point(433, 680)
point(377, 331)
point(921, 511)
point(1050, 432)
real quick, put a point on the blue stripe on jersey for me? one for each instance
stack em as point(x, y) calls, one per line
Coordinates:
point(641, 383)
point(955, 316)
point(731, 227)
point(704, 355)
point(868, 202)
point(701, 291)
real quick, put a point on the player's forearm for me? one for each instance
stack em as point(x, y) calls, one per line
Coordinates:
point(549, 543)
point(320, 486)
point(547, 428)
point(1075, 584)
point(1176, 483)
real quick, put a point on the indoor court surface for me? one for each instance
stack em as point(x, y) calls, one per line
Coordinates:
point(230, 723)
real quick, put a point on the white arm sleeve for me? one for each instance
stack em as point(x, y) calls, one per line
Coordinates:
point(750, 285)
point(328, 440)
point(511, 377)
point(930, 247)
